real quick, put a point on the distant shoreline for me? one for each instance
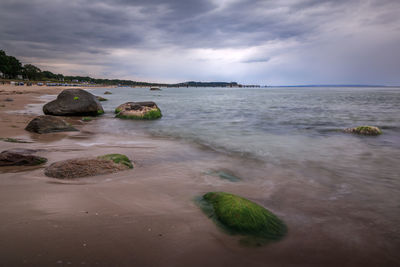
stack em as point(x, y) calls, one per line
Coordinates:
point(335, 85)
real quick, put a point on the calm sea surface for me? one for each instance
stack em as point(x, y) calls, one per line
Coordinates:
point(274, 124)
point(291, 128)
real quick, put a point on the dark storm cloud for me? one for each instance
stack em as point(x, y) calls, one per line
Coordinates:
point(89, 32)
point(89, 25)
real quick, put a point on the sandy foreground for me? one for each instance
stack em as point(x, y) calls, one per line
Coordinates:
point(147, 216)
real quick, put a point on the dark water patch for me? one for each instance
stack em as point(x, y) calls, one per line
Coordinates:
point(224, 174)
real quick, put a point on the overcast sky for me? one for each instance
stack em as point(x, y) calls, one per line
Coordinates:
point(273, 42)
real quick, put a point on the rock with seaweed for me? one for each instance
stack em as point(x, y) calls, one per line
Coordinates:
point(20, 157)
point(107, 93)
point(74, 102)
point(84, 167)
point(364, 130)
point(238, 215)
point(48, 124)
point(138, 111)
point(100, 98)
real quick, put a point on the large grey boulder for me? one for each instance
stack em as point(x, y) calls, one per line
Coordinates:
point(74, 102)
point(48, 124)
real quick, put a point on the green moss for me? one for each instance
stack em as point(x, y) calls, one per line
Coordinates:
point(117, 110)
point(118, 158)
point(87, 119)
point(241, 216)
point(100, 112)
point(151, 115)
point(41, 161)
point(368, 130)
point(76, 98)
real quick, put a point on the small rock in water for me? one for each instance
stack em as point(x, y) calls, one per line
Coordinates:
point(20, 157)
point(138, 111)
point(100, 98)
point(48, 124)
point(83, 167)
point(364, 130)
point(226, 175)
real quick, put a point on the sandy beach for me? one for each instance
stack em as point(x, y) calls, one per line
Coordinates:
point(147, 216)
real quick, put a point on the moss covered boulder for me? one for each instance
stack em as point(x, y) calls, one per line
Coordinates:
point(119, 159)
point(138, 111)
point(364, 130)
point(241, 216)
point(84, 167)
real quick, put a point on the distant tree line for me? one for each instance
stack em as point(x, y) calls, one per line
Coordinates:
point(12, 68)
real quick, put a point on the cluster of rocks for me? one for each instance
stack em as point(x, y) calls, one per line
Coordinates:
point(76, 102)
point(67, 169)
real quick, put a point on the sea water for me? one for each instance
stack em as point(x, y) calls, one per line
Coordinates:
point(297, 129)
point(284, 126)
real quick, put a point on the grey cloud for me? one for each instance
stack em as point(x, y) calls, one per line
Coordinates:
point(85, 31)
point(256, 60)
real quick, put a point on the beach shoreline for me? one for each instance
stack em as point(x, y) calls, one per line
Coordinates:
point(147, 216)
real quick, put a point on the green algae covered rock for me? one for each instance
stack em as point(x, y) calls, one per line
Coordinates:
point(119, 159)
point(364, 130)
point(138, 111)
point(100, 98)
point(241, 216)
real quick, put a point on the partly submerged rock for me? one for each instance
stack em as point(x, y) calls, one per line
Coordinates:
point(14, 140)
point(100, 98)
point(48, 124)
point(138, 111)
point(241, 216)
point(224, 174)
point(74, 102)
point(364, 130)
point(20, 157)
point(83, 167)
point(107, 93)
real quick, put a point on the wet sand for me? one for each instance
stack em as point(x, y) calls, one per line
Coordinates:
point(148, 217)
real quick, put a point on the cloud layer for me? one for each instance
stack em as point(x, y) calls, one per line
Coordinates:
point(263, 42)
